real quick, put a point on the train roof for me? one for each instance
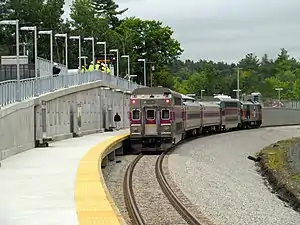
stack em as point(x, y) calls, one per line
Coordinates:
point(250, 102)
point(221, 96)
point(226, 99)
point(247, 103)
point(255, 93)
point(188, 103)
point(155, 90)
point(187, 98)
point(210, 104)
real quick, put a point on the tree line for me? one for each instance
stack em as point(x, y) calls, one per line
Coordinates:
point(148, 39)
point(256, 74)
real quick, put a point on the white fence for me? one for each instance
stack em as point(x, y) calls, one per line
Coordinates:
point(12, 91)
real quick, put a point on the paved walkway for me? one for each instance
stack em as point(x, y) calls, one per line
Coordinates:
point(37, 186)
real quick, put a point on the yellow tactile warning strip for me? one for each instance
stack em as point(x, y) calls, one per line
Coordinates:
point(94, 205)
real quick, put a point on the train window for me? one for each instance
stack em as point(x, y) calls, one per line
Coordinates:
point(135, 114)
point(177, 101)
point(231, 104)
point(165, 114)
point(150, 114)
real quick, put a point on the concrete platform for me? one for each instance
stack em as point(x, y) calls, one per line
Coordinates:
point(37, 186)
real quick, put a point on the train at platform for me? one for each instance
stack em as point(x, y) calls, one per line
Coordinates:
point(160, 117)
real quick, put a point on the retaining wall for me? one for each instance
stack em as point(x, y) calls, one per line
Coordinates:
point(280, 116)
point(65, 113)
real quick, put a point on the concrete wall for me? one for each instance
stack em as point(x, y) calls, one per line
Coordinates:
point(16, 128)
point(280, 116)
point(55, 116)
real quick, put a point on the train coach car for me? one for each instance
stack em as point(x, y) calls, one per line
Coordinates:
point(251, 114)
point(192, 116)
point(230, 111)
point(211, 117)
point(156, 121)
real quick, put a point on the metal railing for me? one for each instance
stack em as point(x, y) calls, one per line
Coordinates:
point(11, 91)
point(45, 67)
point(282, 104)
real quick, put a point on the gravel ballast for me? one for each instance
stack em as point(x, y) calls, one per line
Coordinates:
point(215, 175)
point(154, 206)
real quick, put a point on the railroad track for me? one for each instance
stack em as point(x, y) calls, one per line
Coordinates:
point(131, 205)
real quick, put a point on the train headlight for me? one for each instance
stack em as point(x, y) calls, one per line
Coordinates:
point(166, 128)
point(135, 129)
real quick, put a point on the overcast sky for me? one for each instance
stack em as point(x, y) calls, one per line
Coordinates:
point(225, 30)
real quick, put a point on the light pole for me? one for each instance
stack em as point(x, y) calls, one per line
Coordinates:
point(49, 32)
point(84, 59)
point(93, 47)
point(79, 49)
point(104, 44)
point(237, 93)
point(201, 93)
point(66, 47)
point(128, 62)
point(129, 77)
point(144, 60)
point(279, 90)
point(117, 51)
point(15, 23)
point(35, 54)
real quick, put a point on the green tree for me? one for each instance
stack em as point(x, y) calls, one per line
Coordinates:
point(108, 9)
point(163, 78)
point(150, 40)
point(262, 75)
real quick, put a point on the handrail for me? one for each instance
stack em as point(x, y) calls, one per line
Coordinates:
point(12, 91)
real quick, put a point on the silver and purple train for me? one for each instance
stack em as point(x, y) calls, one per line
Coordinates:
point(160, 117)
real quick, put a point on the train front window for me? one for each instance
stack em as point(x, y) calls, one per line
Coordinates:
point(165, 114)
point(150, 114)
point(135, 114)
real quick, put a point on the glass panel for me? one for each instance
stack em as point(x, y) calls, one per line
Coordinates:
point(150, 114)
point(135, 114)
point(165, 114)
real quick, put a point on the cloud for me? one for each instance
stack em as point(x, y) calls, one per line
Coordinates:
point(225, 30)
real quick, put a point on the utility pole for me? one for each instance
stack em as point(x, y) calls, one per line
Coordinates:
point(279, 90)
point(152, 68)
point(202, 93)
point(238, 83)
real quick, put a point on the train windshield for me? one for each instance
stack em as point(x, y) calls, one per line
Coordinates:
point(165, 114)
point(135, 114)
point(150, 114)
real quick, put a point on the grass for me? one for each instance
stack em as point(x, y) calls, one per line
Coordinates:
point(275, 155)
point(274, 161)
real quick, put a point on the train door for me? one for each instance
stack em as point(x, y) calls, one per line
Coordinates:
point(223, 114)
point(150, 115)
point(248, 112)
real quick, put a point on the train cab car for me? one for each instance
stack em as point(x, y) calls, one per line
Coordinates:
point(192, 115)
point(250, 114)
point(211, 117)
point(230, 111)
point(155, 118)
